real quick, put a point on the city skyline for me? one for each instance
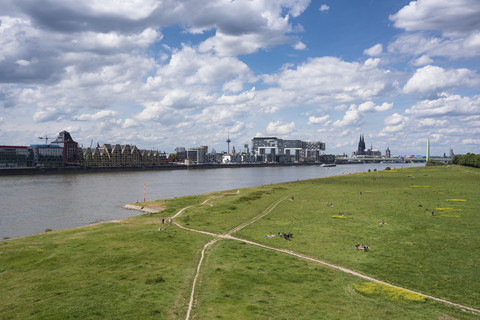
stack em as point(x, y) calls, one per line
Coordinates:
point(164, 74)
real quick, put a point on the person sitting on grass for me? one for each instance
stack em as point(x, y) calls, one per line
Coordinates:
point(383, 222)
point(362, 247)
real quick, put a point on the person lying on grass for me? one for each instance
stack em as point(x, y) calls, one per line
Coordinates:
point(361, 247)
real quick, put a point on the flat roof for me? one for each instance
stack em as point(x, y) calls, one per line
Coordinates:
point(45, 145)
point(16, 147)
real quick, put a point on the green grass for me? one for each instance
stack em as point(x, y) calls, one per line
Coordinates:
point(436, 255)
point(124, 270)
point(245, 282)
point(131, 270)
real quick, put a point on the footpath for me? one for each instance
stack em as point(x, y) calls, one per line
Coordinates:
point(272, 206)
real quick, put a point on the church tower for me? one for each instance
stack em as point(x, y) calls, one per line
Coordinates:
point(361, 145)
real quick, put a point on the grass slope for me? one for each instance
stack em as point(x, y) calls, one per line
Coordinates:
point(436, 255)
point(124, 270)
point(244, 282)
point(131, 270)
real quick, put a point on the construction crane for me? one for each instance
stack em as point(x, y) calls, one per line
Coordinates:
point(46, 139)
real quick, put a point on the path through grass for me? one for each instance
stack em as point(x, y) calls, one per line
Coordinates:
point(134, 270)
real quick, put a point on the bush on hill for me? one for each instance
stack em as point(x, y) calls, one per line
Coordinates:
point(434, 163)
point(469, 159)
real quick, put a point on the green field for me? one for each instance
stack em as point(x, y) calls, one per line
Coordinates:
point(130, 270)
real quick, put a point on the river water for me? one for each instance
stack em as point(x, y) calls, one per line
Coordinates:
point(31, 204)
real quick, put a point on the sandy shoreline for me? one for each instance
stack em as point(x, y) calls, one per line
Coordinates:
point(139, 208)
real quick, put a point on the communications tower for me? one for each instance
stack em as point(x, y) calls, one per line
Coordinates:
point(228, 144)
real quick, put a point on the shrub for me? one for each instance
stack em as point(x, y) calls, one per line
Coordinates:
point(469, 159)
point(388, 168)
point(434, 163)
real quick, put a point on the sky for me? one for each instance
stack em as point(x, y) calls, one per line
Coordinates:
point(162, 74)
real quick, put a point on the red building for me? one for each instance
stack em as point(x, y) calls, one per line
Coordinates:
point(70, 148)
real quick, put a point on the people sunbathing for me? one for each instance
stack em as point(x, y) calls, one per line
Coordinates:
point(361, 247)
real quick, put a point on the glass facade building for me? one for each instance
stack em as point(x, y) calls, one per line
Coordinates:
point(16, 156)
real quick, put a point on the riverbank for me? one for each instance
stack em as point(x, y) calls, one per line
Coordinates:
point(73, 170)
point(134, 270)
point(32, 203)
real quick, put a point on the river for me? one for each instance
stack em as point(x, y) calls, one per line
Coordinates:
point(32, 204)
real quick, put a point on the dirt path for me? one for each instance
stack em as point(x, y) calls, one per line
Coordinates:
point(197, 274)
point(354, 273)
point(327, 264)
point(229, 236)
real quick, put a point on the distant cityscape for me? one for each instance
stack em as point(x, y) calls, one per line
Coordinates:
point(65, 152)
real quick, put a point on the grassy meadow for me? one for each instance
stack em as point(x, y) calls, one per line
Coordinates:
point(129, 269)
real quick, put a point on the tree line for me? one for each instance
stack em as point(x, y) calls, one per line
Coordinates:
point(469, 159)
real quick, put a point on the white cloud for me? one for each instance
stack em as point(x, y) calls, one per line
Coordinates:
point(114, 41)
point(430, 122)
point(104, 114)
point(471, 141)
point(355, 113)
point(278, 128)
point(395, 119)
point(317, 120)
point(423, 60)
point(330, 80)
point(394, 124)
point(371, 63)
point(374, 51)
point(245, 27)
point(324, 8)
point(457, 21)
point(130, 123)
point(369, 106)
point(351, 117)
point(133, 9)
point(446, 105)
point(23, 63)
point(448, 16)
point(300, 46)
point(432, 79)
point(454, 47)
point(49, 114)
point(139, 70)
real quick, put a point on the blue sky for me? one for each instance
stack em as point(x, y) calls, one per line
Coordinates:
point(162, 74)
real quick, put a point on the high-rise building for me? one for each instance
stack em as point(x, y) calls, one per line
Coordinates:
point(271, 147)
point(70, 148)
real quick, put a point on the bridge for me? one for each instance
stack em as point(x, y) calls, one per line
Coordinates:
point(390, 160)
